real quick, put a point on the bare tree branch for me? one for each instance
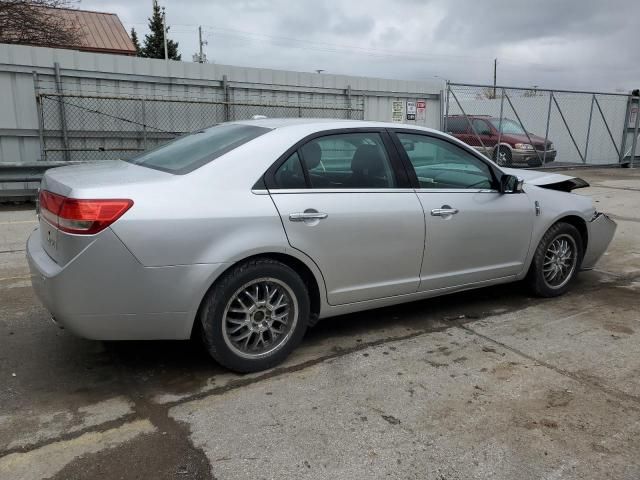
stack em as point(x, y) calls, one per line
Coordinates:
point(30, 22)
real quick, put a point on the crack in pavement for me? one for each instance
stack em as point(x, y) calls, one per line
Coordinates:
point(582, 379)
point(624, 219)
point(158, 414)
point(118, 422)
point(631, 189)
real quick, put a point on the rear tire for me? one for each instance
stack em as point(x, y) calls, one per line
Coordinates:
point(255, 315)
point(556, 261)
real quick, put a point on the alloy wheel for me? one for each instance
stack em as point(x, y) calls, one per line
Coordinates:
point(259, 318)
point(560, 261)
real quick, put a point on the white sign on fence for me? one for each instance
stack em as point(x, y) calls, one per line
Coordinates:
point(397, 111)
point(421, 110)
point(411, 110)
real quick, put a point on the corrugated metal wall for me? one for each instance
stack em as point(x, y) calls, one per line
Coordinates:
point(121, 76)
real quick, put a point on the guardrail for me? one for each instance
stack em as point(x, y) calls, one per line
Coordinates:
point(20, 181)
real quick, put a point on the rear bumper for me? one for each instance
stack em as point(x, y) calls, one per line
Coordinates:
point(104, 293)
point(601, 230)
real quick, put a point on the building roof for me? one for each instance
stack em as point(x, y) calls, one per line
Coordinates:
point(98, 31)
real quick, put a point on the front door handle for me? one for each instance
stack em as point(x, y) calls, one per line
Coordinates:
point(307, 215)
point(445, 211)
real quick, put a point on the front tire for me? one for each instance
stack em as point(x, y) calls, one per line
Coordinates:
point(556, 261)
point(255, 315)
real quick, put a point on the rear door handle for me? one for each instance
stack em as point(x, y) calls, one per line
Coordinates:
point(444, 211)
point(302, 216)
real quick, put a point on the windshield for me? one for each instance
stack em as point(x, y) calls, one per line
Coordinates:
point(508, 126)
point(192, 151)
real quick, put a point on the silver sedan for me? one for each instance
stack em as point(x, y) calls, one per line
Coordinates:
point(247, 233)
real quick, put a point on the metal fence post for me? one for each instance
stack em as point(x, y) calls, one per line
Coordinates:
point(635, 133)
point(63, 116)
point(348, 93)
point(546, 133)
point(586, 143)
point(225, 90)
point(446, 107)
point(441, 104)
point(627, 114)
point(36, 87)
point(144, 124)
point(500, 123)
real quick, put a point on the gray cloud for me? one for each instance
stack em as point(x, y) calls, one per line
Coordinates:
point(590, 44)
point(350, 26)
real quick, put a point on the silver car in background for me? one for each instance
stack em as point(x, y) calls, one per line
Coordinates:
point(247, 233)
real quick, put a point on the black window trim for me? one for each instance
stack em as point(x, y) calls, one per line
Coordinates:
point(413, 178)
point(397, 165)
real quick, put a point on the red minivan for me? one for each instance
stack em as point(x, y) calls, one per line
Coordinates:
point(516, 145)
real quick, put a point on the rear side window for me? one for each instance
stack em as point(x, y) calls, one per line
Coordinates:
point(346, 160)
point(187, 153)
point(290, 173)
point(457, 125)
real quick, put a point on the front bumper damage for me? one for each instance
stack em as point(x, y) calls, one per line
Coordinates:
point(601, 230)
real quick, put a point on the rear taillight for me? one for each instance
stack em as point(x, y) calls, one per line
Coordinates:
point(77, 216)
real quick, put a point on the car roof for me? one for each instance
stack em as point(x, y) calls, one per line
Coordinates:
point(320, 124)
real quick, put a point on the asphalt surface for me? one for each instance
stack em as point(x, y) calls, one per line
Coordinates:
point(486, 384)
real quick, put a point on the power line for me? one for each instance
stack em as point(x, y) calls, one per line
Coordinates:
point(299, 43)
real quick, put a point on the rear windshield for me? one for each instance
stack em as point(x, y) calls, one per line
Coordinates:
point(192, 151)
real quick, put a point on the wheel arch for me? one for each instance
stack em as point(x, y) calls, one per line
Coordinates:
point(581, 226)
point(314, 285)
point(575, 220)
point(498, 145)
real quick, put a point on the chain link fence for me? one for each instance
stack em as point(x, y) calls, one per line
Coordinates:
point(533, 127)
point(81, 127)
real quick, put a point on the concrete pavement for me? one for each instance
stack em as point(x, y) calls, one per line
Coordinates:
point(485, 384)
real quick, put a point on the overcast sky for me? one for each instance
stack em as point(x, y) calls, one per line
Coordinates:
point(580, 44)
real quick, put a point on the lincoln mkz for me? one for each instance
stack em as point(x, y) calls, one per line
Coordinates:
point(246, 233)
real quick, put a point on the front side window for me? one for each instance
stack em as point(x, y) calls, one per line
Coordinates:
point(508, 126)
point(440, 164)
point(187, 153)
point(349, 160)
point(482, 128)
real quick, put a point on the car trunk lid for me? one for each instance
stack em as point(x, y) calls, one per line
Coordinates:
point(97, 181)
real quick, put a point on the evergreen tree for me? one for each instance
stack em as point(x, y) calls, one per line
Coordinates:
point(154, 41)
point(136, 43)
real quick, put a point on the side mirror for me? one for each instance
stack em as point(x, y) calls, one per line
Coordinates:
point(511, 184)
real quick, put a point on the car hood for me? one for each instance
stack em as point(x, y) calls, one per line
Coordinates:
point(555, 181)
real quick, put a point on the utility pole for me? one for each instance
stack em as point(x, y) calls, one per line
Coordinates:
point(200, 57)
point(164, 34)
point(495, 74)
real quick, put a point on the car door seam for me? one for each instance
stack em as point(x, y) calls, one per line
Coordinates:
point(424, 240)
point(326, 292)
